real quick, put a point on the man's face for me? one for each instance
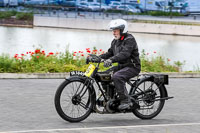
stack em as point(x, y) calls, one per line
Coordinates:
point(116, 33)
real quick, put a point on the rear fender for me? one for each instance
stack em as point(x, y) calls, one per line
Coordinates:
point(159, 79)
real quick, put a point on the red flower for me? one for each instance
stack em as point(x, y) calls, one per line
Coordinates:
point(37, 51)
point(51, 53)
point(37, 57)
point(88, 51)
point(74, 54)
point(147, 53)
point(100, 50)
point(168, 60)
point(48, 55)
point(82, 54)
point(22, 54)
point(154, 52)
point(43, 51)
point(79, 51)
point(16, 55)
point(57, 53)
point(26, 52)
point(32, 53)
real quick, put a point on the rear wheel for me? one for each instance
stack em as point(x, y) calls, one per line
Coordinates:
point(73, 100)
point(148, 95)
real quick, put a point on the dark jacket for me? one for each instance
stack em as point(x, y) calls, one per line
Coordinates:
point(124, 51)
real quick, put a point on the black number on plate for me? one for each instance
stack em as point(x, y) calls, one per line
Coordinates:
point(77, 73)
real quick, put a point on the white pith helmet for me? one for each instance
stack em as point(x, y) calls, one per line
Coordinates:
point(119, 24)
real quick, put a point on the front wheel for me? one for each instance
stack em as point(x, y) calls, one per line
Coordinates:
point(149, 94)
point(73, 100)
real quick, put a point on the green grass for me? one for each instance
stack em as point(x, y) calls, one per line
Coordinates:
point(41, 62)
point(161, 13)
point(7, 14)
point(157, 63)
point(165, 22)
point(24, 16)
point(18, 15)
point(151, 13)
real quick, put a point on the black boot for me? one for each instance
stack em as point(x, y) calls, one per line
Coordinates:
point(125, 104)
point(128, 103)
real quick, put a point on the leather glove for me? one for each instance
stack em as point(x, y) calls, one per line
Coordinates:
point(107, 63)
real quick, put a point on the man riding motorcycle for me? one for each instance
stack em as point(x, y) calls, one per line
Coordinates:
point(124, 51)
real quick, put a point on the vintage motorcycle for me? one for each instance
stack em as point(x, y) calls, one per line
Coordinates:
point(92, 91)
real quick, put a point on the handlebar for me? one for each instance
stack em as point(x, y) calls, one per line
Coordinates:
point(94, 58)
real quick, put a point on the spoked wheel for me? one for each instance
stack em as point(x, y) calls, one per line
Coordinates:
point(73, 101)
point(148, 95)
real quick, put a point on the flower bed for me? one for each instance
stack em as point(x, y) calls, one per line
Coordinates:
point(39, 61)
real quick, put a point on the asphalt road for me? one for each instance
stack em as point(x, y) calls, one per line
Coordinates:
point(27, 105)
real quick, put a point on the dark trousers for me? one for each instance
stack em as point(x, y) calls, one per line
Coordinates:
point(120, 78)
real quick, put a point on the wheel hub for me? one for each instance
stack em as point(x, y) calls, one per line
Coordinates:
point(150, 97)
point(76, 99)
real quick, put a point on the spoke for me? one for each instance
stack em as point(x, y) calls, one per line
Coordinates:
point(81, 109)
point(69, 92)
point(139, 91)
point(78, 109)
point(73, 85)
point(152, 83)
point(68, 95)
point(73, 111)
point(156, 89)
point(69, 106)
point(72, 88)
point(66, 100)
point(85, 97)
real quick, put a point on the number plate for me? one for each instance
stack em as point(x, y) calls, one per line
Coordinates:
point(77, 73)
point(90, 70)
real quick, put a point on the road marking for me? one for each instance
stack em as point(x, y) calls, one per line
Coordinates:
point(96, 128)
